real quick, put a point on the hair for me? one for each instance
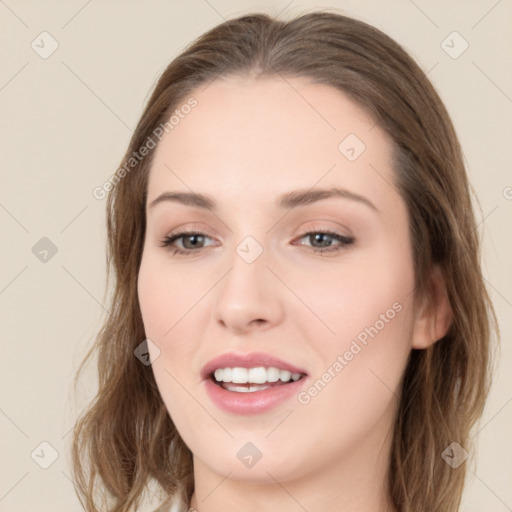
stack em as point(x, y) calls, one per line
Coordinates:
point(126, 438)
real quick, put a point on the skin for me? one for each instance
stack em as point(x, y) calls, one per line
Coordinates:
point(247, 142)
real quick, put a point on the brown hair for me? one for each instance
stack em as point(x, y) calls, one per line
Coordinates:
point(126, 438)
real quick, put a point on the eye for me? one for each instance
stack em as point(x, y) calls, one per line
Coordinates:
point(193, 241)
point(325, 240)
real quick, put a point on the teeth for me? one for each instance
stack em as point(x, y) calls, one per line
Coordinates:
point(272, 374)
point(239, 375)
point(245, 389)
point(258, 375)
point(285, 375)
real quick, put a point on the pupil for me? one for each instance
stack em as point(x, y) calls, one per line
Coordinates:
point(320, 236)
point(189, 237)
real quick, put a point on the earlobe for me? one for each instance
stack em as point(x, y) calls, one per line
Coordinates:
point(435, 314)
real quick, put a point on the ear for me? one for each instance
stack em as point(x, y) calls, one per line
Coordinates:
point(434, 316)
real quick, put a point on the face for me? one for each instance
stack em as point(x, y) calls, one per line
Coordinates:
point(275, 274)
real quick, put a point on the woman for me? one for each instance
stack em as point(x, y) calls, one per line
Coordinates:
point(299, 318)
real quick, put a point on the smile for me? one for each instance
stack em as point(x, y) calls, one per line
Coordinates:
point(249, 380)
point(251, 383)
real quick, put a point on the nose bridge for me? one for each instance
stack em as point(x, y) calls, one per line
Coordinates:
point(247, 278)
point(247, 294)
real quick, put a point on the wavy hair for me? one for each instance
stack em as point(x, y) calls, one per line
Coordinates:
point(125, 439)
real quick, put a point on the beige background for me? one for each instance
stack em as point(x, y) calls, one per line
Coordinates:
point(66, 121)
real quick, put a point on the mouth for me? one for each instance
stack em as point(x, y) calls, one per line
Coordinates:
point(246, 384)
point(250, 380)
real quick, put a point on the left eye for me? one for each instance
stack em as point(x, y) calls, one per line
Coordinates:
point(321, 236)
point(195, 239)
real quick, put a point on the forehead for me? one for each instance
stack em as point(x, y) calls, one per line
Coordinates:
point(252, 137)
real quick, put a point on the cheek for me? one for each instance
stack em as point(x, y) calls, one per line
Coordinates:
point(358, 380)
point(350, 298)
point(159, 303)
point(169, 300)
point(167, 294)
point(359, 340)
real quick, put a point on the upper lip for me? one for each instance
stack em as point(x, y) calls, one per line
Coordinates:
point(252, 360)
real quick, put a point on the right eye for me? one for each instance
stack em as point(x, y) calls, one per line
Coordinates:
point(196, 237)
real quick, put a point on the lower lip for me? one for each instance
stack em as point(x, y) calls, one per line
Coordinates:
point(255, 402)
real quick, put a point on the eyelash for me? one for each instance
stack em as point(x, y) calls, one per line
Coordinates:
point(345, 241)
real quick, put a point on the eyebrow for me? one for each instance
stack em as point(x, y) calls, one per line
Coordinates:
point(288, 200)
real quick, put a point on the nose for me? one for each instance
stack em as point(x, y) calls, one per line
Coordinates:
point(249, 297)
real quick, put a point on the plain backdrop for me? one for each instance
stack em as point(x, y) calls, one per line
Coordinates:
point(66, 119)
